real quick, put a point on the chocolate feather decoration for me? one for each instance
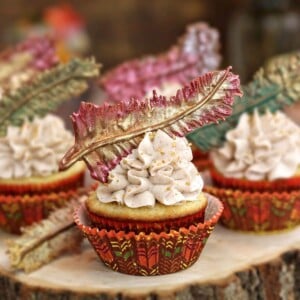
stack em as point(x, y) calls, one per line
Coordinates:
point(42, 242)
point(42, 51)
point(104, 134)
point(21, 63)
point(196, 53)
point(274, 86)
point(46, 92)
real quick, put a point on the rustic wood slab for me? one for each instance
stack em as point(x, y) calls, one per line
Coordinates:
point(233, 265)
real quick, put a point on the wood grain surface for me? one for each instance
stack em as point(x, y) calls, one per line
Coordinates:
point(233, 265)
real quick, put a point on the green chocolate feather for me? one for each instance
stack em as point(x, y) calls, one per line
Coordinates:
point(274, 86)
point(46, 92)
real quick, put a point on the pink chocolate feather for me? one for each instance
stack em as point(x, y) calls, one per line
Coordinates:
point(105, 134)
point(42, 51)
point(195, 53)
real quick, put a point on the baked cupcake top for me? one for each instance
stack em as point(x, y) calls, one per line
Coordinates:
point(35, 148)
point(261, 147)
point(159, 170)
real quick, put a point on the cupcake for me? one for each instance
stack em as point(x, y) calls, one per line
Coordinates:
point(201, 159)
point(256, 173)
point(30, 183)
point(149, 216)
point(32, 141)
point(155, 188)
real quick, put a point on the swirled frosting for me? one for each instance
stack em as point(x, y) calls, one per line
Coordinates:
point(260, 147)
point(34, 149)
point(160, 169)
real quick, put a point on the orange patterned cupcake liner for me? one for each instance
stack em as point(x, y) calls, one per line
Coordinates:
point(154, 253)
point(201, 159)
point(17, 211)
point(287, 184)
point(137, 226)
point(197, 153)
point(258, 211)
point(63, 184)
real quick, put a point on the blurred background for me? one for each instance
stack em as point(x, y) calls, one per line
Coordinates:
point(118, 30)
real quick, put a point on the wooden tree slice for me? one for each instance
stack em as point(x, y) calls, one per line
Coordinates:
point(233, 265)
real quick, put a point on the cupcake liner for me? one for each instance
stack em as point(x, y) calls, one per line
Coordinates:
point(201, 159)
point(287, 184)
point(198, 154)
point(17, 211)
point(153, 253)
point(202, 164)
point(62, 184)
point(147, 227)
point(258, 211)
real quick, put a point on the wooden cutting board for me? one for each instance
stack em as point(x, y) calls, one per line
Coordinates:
point(233, 265)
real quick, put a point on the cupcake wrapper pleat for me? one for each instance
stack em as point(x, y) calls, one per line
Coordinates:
point(138, 226)
point(258, 211)
point(154, 253)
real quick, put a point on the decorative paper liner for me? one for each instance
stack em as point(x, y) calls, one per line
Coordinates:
point(147, 227)
point(287, 184)
point(198, 154)
point(153, 253)
point(17, 211)
point(202, 164)
point(258, 211)
point(201, 159)
point(66, 183)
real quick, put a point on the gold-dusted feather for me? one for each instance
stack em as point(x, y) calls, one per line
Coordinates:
point(48, 90)
point(105, 134)
point(42, 242)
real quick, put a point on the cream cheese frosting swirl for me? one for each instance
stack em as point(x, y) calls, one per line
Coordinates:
point(261, 147)
point(34, 149)
point(160, 169)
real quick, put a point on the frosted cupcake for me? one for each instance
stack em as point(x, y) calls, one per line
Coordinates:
point(32, 84)
point(153, 203)
point(30, 182)
point(256, 173)
point(149, 216)
point(155, 188)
